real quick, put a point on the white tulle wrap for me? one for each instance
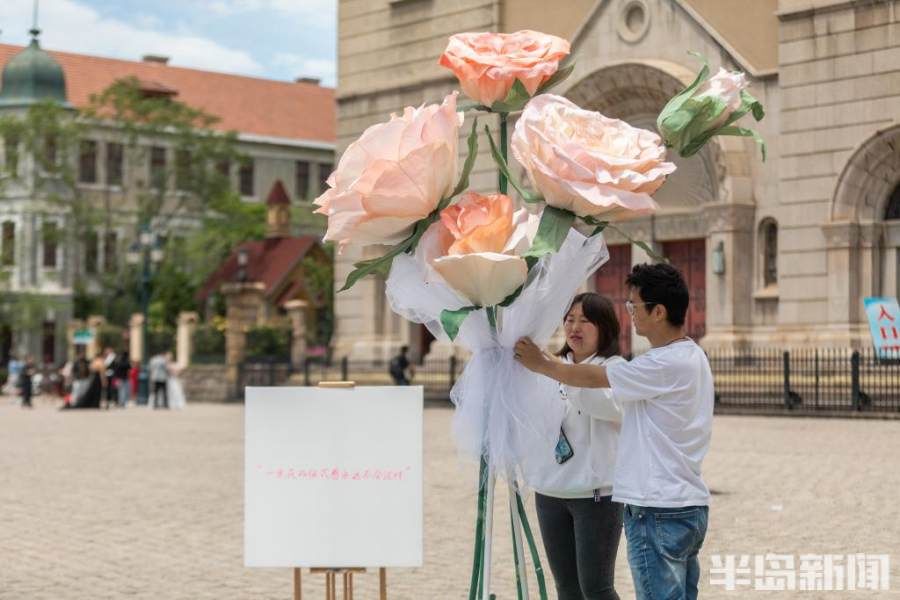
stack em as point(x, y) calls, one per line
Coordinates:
point(510, 413)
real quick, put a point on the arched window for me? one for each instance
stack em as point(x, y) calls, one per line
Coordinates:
point(768, 238)
point(892, 210)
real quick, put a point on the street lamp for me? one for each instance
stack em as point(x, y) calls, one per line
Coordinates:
point(146, 252)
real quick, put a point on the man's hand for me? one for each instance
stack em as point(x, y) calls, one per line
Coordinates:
point(531, 356)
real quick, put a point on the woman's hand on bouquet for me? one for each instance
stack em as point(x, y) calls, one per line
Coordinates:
point(531, 356)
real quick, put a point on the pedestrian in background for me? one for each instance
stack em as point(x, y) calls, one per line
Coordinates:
point(121, 372)
point(25, 381)
point(159, 379)
point(399, 366)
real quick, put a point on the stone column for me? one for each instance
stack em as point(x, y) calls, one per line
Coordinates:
point(296, 310)
point(842, 260)
point(184, 338)
point(243, 302)
point(849, 280)
point(136, 337)
point(94, 323)
point(729, 295)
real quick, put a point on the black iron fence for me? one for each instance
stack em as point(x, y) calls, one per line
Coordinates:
point(437, 376)
point(262, 372)
point(808, 380)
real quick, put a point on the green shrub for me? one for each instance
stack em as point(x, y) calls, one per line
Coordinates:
point(159, 341)
point(268, 342)
point(209, 345)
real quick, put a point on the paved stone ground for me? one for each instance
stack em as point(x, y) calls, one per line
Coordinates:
point(148, 505)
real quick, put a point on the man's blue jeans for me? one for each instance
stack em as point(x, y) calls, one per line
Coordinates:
point(663, 544)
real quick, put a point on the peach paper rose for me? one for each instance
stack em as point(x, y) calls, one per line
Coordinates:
point(587, 163)
point(395, 174)
point(488, 64)
point(474, 245)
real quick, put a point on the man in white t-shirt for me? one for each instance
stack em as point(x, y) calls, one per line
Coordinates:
point(667, 398)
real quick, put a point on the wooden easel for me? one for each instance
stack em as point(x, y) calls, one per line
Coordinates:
point(347, 580)
point(345, 573)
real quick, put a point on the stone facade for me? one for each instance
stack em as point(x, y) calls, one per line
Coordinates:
point(831, 90)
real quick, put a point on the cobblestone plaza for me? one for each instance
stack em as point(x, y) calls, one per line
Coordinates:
point(142, 504)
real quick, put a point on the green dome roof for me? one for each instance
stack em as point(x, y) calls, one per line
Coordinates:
point(32, 76)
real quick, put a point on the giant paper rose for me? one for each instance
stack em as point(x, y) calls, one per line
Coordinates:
point(488, 64)
point(474, 245)
point(587, 163)
point(395, 174)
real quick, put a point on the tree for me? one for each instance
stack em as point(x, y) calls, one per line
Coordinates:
point(319, 280)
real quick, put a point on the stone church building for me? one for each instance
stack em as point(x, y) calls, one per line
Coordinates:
point(778, 253)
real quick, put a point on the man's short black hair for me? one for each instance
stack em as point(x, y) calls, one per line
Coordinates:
point(404, 349)
point(661, 284)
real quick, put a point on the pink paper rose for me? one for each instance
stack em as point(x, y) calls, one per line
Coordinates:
point(487, 64)
point(587, 163)
point(395, 174)
point(473, 247)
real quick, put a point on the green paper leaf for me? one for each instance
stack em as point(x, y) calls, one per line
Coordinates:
point(362, 269)
point(755, 105)
point(527, 195)
point(673, 105)
point(512, 297)
point(707, 112)
point(452, 320)
point(552, 231)
point(476, 106)
point(517, 97)
point(746, 132)
point(472, 143)
point(562, 73)
point(382, 264)
point(599, 226)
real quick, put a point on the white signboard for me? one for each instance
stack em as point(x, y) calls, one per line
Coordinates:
point(333, 477)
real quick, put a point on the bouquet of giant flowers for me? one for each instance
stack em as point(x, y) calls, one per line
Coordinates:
point(476, 270)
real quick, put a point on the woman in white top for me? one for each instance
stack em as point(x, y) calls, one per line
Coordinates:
point(580, 524)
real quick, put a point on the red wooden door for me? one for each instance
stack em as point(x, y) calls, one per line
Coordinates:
point(610, 282)
point(689, 257)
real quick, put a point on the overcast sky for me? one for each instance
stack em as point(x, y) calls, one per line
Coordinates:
point(277, 39)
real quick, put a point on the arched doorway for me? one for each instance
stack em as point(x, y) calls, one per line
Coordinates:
point(863, 234)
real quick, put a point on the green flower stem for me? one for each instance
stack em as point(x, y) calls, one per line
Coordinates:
point(492, 317)
point(484, 590)
point(518, 551)
point(532, 547)
point(475, 582)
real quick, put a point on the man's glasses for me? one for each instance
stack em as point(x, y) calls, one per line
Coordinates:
point(629, 306)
